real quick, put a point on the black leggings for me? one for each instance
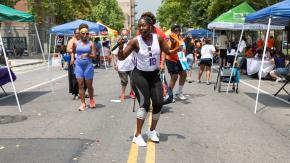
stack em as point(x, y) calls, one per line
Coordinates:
point(147, 85)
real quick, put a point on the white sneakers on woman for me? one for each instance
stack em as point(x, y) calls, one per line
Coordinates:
point(139, 141)
point(152, 135)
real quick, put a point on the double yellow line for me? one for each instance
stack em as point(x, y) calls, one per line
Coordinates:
point(150, 154)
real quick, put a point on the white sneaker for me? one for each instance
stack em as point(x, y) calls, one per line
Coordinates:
point(180, 96)
point(139, 141)
point(278, 80)
point(153, 135)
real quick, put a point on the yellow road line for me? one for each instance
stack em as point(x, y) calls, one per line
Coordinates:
point(150, 155)
point(133, 154)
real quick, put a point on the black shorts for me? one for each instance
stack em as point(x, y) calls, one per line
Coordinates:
point(173, 67)
point(223, 53)
point(206, 62)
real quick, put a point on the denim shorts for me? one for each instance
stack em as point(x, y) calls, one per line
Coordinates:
point(282, 71)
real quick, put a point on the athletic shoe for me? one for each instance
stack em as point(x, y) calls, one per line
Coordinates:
point(132, 94)
point(278, 80)
point(82, 107)
point(168, 100)
point(92, 103)
point(180, 96)
point(139, 141)
point(189, 80)
point(198, 81)
point(153, 135)
point(76, 97)
point(207, 83)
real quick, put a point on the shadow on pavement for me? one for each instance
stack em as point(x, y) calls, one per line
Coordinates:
point(164, 137)
point(100, 105)
point(42, 150)
point(270, 101)
point(166, 109)
point(24, 98)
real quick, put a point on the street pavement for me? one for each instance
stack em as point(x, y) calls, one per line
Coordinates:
point(209, 127)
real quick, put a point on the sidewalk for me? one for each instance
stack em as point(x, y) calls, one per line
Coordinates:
point(23, 62)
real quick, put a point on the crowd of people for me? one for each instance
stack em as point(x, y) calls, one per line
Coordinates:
point(140, 60)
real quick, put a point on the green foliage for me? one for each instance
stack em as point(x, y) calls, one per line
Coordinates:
point(64, 11)
point(199, 13)
point(173, 11)
point(9, 3)
point(109, 13)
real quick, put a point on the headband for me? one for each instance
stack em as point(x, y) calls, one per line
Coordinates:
point(148, 19)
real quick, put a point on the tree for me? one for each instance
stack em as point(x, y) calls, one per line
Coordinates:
point(9, 3)
point(62, 11)
point(109, 13)
point(200, 12)
point(173, 11)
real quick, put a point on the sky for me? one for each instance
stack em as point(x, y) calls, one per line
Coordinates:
point(147, 5)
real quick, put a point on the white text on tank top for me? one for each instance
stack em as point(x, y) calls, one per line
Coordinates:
point(148, 57)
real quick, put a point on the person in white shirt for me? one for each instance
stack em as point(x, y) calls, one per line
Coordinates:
point(207, 52)
point(124, 67)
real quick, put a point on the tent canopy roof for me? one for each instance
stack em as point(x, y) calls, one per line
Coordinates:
point(68, 28)
point(234, 19)
point(280, 13)
point(236, 15)
point(10, 14)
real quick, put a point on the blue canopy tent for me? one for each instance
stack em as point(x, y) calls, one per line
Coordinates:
point(67, 29)
point(200, 33)
point(277, 14)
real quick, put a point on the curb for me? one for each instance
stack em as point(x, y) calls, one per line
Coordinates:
point(25, 64)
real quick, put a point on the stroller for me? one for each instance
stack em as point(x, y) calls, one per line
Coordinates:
point(224, 77)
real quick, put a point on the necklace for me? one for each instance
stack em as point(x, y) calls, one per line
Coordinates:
point(148, 41)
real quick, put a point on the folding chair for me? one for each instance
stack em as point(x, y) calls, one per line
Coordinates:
point(282, 88)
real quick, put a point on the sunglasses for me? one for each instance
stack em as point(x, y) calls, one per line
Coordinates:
point(150, 51)
point(85, 34)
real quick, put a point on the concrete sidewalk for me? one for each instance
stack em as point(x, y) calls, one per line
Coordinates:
point(24, 62)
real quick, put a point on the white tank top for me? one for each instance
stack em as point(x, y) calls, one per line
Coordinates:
point(148, 57)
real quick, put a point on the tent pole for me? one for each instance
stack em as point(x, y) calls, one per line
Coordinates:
point(103, 51)
point(262, 65)
point(49, 46)
point(213, 37)
point(236, 56)
point(49, 62)
point(8, 68)
point(36, 30)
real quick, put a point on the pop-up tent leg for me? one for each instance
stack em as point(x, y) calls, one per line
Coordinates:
point(236, 56)
point(8, 68)
point(36, 30)
point(262, 65)
point(103, 51)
